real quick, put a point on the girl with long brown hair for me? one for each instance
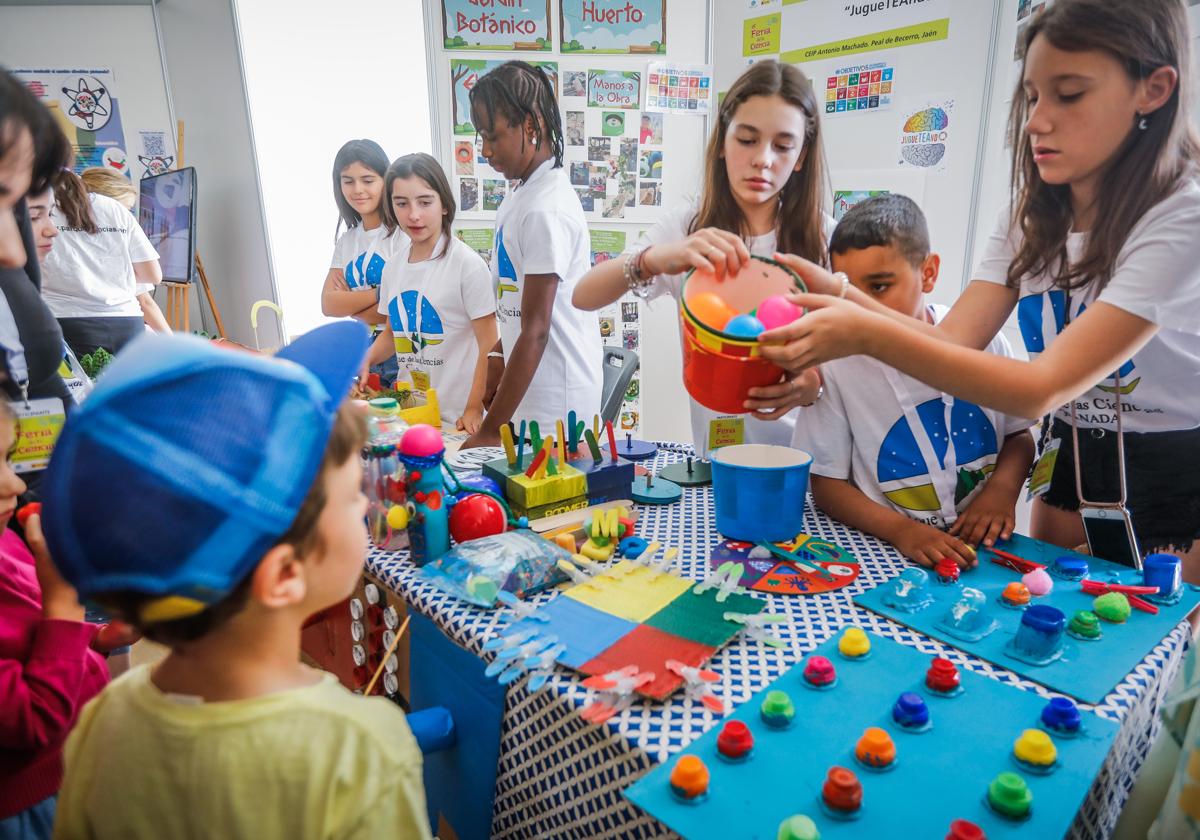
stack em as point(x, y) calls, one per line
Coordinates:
point(1099, 254)
point(764, 188)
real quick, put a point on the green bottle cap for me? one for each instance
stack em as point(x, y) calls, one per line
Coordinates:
point(1010, 796)
point(1085, 624)
point(798, 827)
point(777, 706)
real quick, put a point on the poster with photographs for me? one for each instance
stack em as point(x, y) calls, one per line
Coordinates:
point(621, 325)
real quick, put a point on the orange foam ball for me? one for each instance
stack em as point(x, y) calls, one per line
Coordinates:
point(710, 310)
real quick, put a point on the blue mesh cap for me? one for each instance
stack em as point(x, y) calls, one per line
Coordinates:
point(189, 461)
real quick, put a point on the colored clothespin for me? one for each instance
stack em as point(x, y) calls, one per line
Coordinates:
point(1096, 587)
point(755, 626)
point(576, 574)
point(541, 666)
point(793, 557)
point(725, 580)
point(663, 566)
point(698, 684)
point(1012, 561)
point(616, 691)
point(523, 609)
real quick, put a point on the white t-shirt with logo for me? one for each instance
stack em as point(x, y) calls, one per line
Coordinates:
point(1156, 277)
point(430, 306)
point(540, 229)
point(904, 444)
point(362, 254)
point(673, 227)
point(90, 275)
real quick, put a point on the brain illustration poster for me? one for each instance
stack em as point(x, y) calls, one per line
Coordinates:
point(925, 135)
point(84, 105)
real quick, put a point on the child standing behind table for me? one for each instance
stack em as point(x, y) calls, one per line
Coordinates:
point(892, 456)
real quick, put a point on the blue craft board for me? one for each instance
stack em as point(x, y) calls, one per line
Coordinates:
point(1086, 671)
point(939, 776)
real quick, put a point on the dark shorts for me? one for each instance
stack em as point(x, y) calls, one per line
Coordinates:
point(1162, 474)
point(85, 335)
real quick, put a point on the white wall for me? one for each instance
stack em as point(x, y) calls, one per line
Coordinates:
point(317, 75)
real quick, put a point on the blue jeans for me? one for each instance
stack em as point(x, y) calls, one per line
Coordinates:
point(34, 823)
point(388, 370)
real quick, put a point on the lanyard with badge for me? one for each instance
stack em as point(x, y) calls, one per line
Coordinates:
point(38, 421)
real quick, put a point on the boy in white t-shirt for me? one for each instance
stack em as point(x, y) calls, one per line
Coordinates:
point(891, 455)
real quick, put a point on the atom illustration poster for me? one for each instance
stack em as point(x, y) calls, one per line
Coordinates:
point(925, 135)
point(85, 106)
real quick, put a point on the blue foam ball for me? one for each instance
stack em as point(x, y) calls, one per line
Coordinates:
point(744, 326)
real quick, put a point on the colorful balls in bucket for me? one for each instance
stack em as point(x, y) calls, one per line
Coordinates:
point(776, 311)
point(710, 310)
point(744, 326)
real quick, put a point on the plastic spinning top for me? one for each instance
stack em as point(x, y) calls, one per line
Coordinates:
point(910, 711)
point(1016, 594)
point(1034, 747)
point(875, 748)
point(689, 777)
point(819, 672)
point(735, 740)
point(648, 490)
point(1010, 796)
point(777, 710)
point(689, 473)
point(798, 827)
point(854, 643)
point(1061, 715)
point(942, 676)
point(1112, 606)
point(842, 791)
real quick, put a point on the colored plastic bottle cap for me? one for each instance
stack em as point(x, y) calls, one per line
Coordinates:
point(942, 675)
point(875, 748)
point(1010, 796)
point(1070, 567)
point(1038, 582)
point(947, 570)
point(910, 711)
point(1033, 746)
point(689, 777)
point(854, 643)
point(798, 827)
point(1016, 593)
point(1161, 570)
point(1112, 606)
point(965, 830)
point(735, 740)
point(819, 671)
point(1061, 715)
point(777, 709)
point(1085, 625)
point(842, 790)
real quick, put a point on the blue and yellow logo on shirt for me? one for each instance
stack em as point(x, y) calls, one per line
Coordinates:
point(504, 268)
point(410, 332)
point(1035, 320)
point(361, 272)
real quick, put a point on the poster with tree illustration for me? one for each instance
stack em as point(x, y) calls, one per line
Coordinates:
point(519, 25)
point(465, 72)
point(613, 26)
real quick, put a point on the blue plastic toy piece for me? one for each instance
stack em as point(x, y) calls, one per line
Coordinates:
point(1069, 567)
point(632, 547)
point(1062, 716)
point(967, 618)
point(1039, 638)
point(911, 712)
point(909, 591)
point(1162, 570)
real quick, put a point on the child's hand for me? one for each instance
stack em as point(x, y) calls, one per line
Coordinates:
point(481, 438)
point(59, 599)
point(925, 545)
point(708, 249)
point(990, 515)
point(115, 634)
point(771, 402)
point(470, 421)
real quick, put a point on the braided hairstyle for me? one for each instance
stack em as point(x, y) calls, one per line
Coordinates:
point(517, 89)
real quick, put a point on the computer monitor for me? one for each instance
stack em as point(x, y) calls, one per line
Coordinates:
point(167, 213)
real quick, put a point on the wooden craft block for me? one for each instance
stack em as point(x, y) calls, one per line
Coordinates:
point(499, 470)
point(552, 509)
point(537, 492)
point(605, 477)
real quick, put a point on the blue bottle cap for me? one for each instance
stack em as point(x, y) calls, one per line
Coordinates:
point(1069, 566)
point(910, 710)
point(1062, 714)
point(1044, 618)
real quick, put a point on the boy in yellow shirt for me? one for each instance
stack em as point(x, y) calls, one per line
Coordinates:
point(213, 499)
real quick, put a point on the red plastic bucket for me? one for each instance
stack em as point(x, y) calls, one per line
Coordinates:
point(719, 369)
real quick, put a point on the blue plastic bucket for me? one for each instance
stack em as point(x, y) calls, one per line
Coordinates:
point(759, 491)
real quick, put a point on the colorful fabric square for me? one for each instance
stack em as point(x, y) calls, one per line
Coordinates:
point(585, 631)
point(700, 618)
point(649, 648)
point(635, 595)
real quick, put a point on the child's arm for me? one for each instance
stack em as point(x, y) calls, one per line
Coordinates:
point(152, 314)
point(338, 300)
point(921, 543)
point(382, 348)
point(486, 336)
point(992, 512)
point(537, 306)
point(41, 694)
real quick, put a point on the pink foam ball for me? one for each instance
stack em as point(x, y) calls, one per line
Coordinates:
point(421, 440)
point(776, 311)
point(1038, 582)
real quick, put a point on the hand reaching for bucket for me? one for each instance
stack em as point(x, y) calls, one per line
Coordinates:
point(708, 249)
point(771, 402)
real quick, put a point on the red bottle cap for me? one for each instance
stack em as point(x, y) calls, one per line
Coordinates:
point(947, 569)
point(842, 790)
point(965, 830)
point(819, 671)
point(942, 675)
point(735, 739)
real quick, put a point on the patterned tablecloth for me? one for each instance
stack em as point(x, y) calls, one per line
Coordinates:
point(561, 777)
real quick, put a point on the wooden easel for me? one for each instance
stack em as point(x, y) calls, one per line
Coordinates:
point(179, 310)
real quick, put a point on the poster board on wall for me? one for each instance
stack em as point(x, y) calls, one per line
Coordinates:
point(903, 90)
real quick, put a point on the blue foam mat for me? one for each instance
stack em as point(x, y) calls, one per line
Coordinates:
point(1087, 670)
point(940, 775)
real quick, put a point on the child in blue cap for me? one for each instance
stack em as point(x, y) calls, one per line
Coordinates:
point(213, 499)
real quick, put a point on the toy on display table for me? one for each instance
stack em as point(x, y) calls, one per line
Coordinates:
point(803, 565)
point(721, 319)
point(870, 738)
point(1075, 624)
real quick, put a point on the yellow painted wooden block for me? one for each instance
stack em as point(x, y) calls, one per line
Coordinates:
point(537, 492)
point(630, 592)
